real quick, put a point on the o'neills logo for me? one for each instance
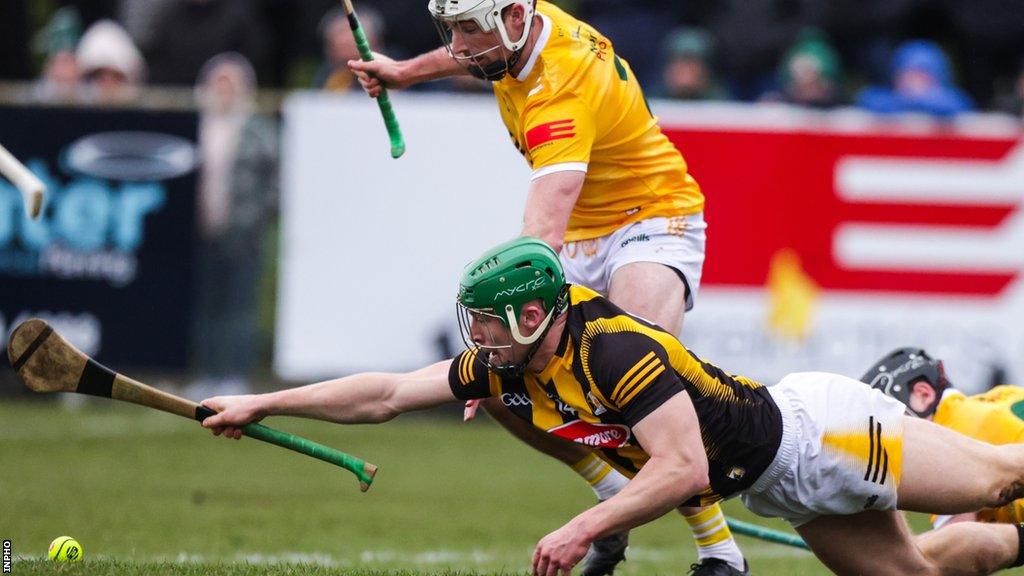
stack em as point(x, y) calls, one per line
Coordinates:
point(596, 435)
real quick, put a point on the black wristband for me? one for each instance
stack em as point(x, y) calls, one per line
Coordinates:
point(1020, 547)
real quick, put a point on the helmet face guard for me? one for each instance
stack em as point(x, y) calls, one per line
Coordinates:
point(493, 290)
point(897, 372)
point(485, 320)
point(478, 18)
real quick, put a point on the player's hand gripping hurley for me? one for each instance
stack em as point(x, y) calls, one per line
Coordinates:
point(48, 363)
point(383, 102)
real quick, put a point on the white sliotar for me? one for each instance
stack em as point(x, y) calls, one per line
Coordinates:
point(32, 188)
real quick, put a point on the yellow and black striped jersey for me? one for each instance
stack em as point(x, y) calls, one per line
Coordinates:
point(611, 370)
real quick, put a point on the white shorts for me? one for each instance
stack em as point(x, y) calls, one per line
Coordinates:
point(675, 242)
point(841, 450)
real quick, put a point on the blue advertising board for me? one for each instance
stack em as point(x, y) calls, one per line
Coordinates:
point(109, 263)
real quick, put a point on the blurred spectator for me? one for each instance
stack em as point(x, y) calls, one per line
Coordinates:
point(990, 34)
point(751, 36)
point(688, 72)
point(57, 41)
point(139, 18)
point(112, 67)
point(237, 195)
point(1011, 99)
point(190, 32)
point(810, 73)
point(339, 46)
point(921, 82)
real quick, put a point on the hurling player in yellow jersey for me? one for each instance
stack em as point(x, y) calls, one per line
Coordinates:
point(608, 191)
point(911, 376)
point(833, 457)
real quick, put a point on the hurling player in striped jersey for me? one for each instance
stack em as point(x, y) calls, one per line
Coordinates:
point(608, 191)
point(836, 459)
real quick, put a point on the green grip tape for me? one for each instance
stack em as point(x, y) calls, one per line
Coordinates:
point(357, 466)
point(383, 102)
point(748, 529)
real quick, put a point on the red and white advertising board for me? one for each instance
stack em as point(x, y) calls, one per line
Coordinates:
point(913, 232)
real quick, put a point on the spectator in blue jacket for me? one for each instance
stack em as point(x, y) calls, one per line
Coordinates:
point(921, 82)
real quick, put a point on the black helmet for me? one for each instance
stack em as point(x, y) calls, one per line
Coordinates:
point(897, 372)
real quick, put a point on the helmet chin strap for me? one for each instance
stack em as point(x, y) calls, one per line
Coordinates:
point(536, 339)
point(495, 70)
point(514, 326)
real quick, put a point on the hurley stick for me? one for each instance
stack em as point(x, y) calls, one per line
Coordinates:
point(48, 363)
point(383, 102)
point(767, 534)
point(32, 189)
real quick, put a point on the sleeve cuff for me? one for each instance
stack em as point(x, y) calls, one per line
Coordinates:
point(561, 167)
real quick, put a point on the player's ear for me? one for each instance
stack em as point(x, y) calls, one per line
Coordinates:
point(533, 314)
point(515, 14)
point(923, 395)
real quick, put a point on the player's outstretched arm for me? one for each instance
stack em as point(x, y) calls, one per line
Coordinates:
point(398, 74)
point(370, 397)
point(677, 470)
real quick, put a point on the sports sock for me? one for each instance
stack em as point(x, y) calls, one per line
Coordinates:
point(713, 537)
point(605, 480)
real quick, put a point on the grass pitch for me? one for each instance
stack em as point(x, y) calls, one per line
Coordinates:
point(149, 493)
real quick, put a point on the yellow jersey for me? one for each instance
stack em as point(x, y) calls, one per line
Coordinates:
point(576, 105)
point(996, 417)
point(610, 371)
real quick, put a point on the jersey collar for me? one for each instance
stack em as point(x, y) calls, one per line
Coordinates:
point(542, 41)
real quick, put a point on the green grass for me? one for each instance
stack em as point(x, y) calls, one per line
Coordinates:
point(149, 493)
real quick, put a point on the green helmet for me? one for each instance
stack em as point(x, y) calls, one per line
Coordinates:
point(506, 277)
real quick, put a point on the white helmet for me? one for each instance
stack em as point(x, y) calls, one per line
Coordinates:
point(487, 15)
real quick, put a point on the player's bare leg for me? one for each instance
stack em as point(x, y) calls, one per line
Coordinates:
point(880, 542)
point(944, 472)
point(657, 293)
point(994, 546)
point(652, 291)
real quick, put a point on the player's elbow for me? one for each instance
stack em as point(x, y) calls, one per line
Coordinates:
point(384, 411)
point(554, 239)
point(698, 480)
point(691, 477)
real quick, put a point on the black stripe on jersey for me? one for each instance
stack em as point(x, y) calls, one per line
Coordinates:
point(878, 456)
point(871, 451)
point(878, 452)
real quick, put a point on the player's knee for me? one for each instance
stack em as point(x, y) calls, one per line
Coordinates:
point(1006, 479)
